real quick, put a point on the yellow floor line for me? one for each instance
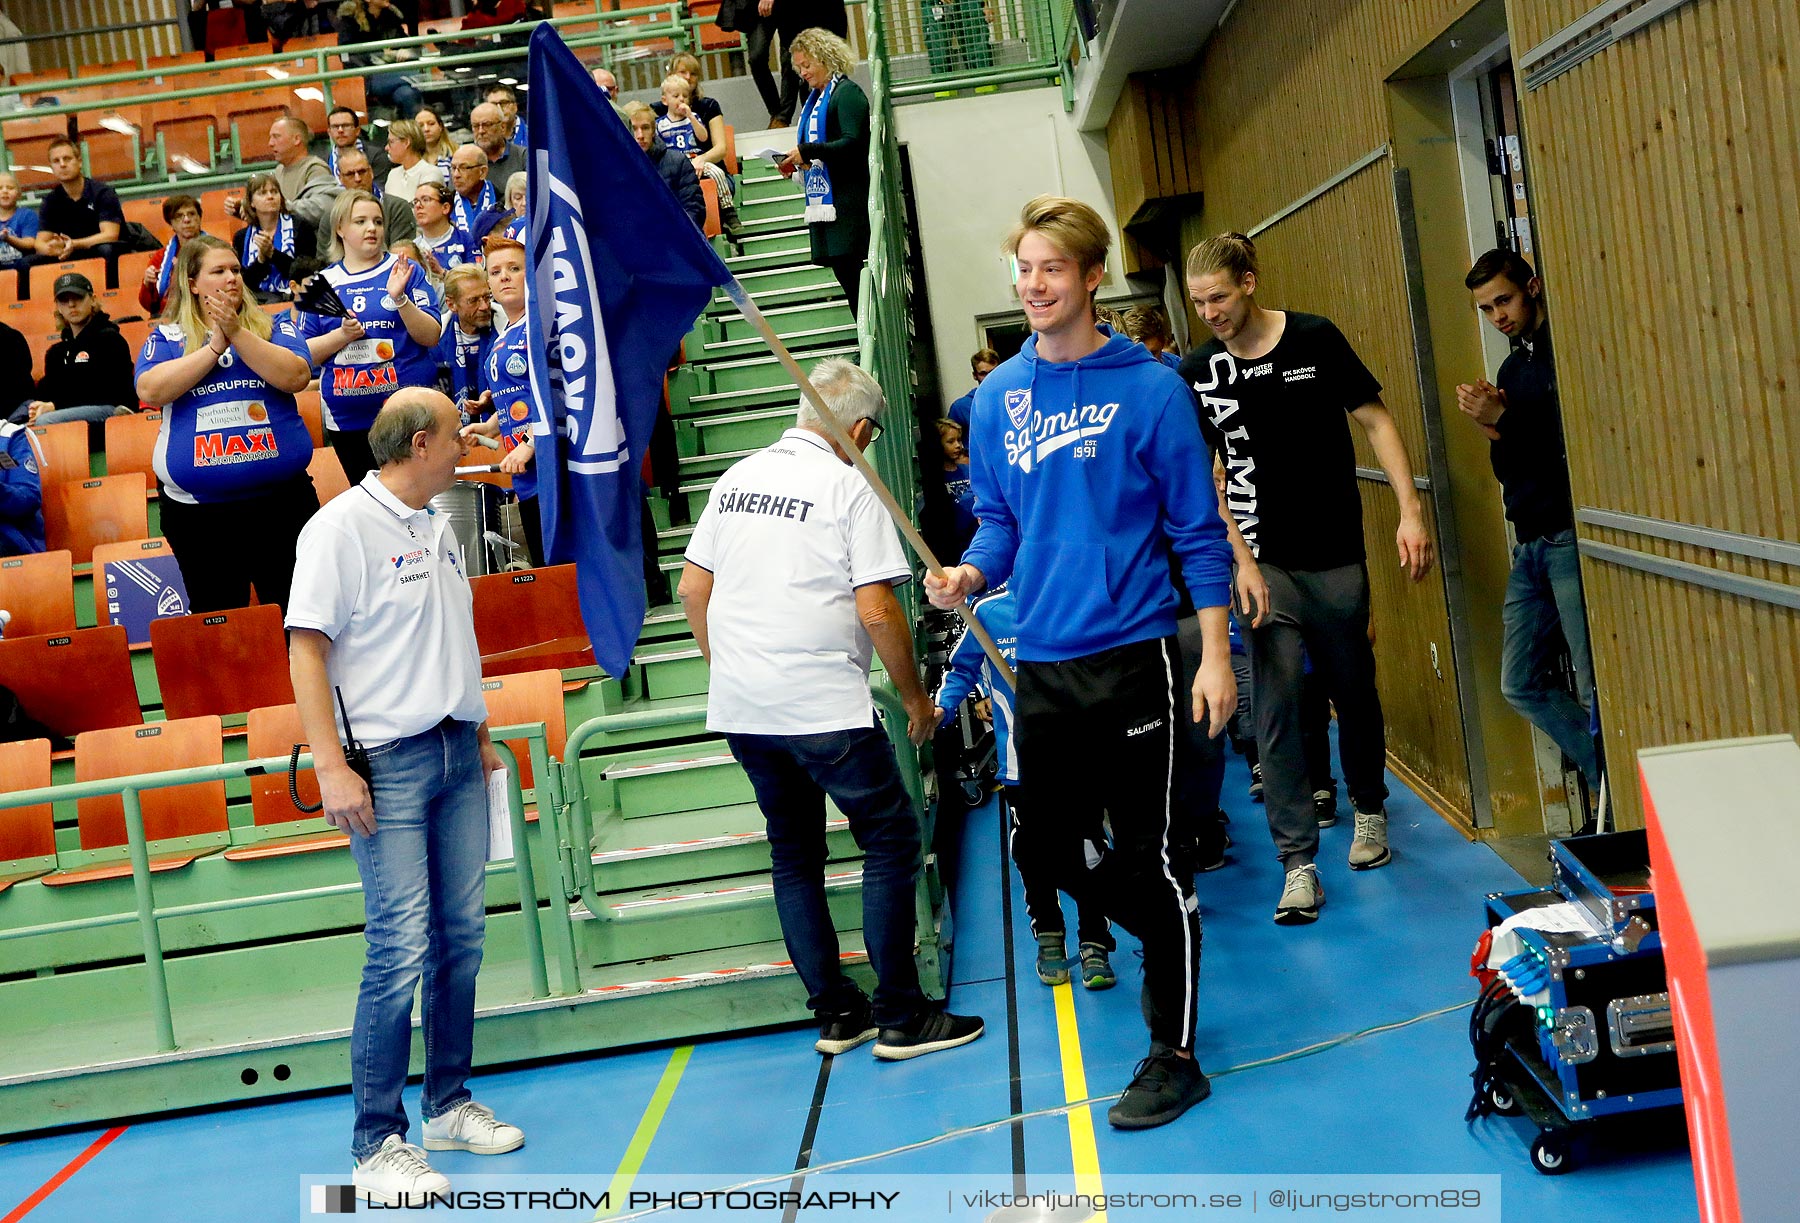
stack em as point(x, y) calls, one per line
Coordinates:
point(620, 1189)
point(1082, 1147)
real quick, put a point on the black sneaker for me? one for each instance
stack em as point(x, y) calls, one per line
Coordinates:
point(1256, 787)
point(929, 1032)
point(842, 1033)
point(1164, 1087)
point(1324, 808)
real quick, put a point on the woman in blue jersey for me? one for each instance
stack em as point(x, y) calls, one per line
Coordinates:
point(442, 243)
point(233, 448)
point(507, 383)
point(387, 341)
point(274, 238)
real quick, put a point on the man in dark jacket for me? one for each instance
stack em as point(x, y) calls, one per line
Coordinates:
point(675, 168)
point(87, 373)
point(1522, 419)
point(15, 371)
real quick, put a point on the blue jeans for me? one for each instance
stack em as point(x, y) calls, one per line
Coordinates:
point(393, 89)
point(1543, 611)
point(422, 874)
point(791, 775)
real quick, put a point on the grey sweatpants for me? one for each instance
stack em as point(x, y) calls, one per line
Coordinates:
point(1326, 612)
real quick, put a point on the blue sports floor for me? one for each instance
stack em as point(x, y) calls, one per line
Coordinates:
point(1391, 945)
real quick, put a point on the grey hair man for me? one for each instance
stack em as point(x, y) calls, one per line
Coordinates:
point(380, 614)
point(789, 587)
point(493, 136)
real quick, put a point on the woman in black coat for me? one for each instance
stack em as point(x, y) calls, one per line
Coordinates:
point(833, 153)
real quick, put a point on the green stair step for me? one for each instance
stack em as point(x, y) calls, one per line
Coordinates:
point(780, 286)
point(666, 779)
point(735, 386)
point(687, 845)
point(732, 432)
point(718, 913)
point(671, 668)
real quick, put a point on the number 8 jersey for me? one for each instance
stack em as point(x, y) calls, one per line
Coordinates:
point(355, 381)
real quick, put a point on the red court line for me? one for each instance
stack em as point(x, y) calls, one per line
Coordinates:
point(69, 1169)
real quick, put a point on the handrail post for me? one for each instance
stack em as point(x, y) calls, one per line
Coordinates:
point(549, 797)
point(522, 872)
point(147, 927)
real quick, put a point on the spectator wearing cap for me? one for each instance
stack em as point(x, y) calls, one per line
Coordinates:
point(80, 217)
point(87, 373)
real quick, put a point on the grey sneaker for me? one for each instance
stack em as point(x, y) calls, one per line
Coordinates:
point(1301, 897)
point(1369, 848)
point(1052, 959)
point(1324, 808)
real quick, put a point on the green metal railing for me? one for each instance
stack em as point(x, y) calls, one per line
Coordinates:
point(668, 20)
point(148, 916)
point(935, 47)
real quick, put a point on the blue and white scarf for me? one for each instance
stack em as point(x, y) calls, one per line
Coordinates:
point(334, 157)
point(274, 281)
point(166, 272)
point(444, 167)
point(466, 214)
point(819, 204)
point(515, 228)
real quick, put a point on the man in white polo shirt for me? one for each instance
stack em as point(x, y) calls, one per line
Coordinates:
point(381, 616)
point(789, 584)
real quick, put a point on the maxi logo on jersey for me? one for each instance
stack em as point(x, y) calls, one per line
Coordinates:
point(216, 449)
point(357, 379)
point(1040, 436)
point(1240, 468)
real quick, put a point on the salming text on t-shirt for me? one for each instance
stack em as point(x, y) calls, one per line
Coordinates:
point(1281, 425)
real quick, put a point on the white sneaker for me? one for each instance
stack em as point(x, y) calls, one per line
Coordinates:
point(397, 1175)
point(471, 1127)
point(1369, 847)
point(1301, 896)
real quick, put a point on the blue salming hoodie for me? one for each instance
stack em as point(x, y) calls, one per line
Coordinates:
point(1087, 475)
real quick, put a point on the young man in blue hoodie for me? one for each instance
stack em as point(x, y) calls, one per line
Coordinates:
point(1089, 470)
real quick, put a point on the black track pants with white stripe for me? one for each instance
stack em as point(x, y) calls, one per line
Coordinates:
point(1100, 733)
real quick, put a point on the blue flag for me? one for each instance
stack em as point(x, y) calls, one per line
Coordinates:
point(618, 275)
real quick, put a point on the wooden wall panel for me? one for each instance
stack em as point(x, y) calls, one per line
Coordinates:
point(1665, 170)
point(1288, 95)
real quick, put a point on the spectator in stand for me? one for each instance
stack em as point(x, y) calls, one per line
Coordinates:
point(507, 387)
point(476, 206)
point(485, 14)
point(694, 126)
point(182, 212)
point(463, 350)
point(442, 245)
point(387, 341)
point(834, 153)
point(287, 19)
point(758, 30)
point(303, 270)
point(490, 128)
point(80, 217)
point(518, 190)
point(980, 365)
point(18, 226)
point(956, 483)
point(438, 145)
point(306, 182)
point(359, 175)
point(609, 84)
point(87, 373)
point(507, 100)
point(1148, 327)
point(344, 134)
point(362, 21)
point(273, 239)
point(957, 30)
point(406, 149)
point(676, 170)
point(21, 491)
point(233, 448)
point(15, 373)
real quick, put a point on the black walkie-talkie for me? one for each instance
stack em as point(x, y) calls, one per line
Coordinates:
point(354, 756)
